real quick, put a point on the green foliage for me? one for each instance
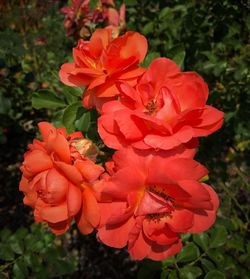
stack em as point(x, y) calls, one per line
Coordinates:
point(46, 99)
point(204, 255)
point(35, 253)
point(29, 60)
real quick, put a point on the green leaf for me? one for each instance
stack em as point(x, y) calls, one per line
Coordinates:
point(164, 274)
point(35, 262)
point(75, 91)
point(5, 234)
point(149, 58)
point(6, 253)
point(69, 116)
point(33, 243)
point(83, 123)
point(64, 267)
point(16, 244)
point(185, 236)
point(131, 2)
point(207, 265)
point(165, 12)
point(173, 275)
point(218, 237)
point(148, 28)
point(21, 233)
point(189, 253)
point(69, 97)
point(216, 256)
point(168, 261)
point(202, 240)
point(190, 272)
point(46, 99)
point(215, 274)
point(236, 243)
point(20, 270)
point(178, 54)
point(204, 178)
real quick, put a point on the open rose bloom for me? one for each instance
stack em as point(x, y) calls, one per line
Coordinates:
point(165, 109)
point(151, 191)
point(102, 61)
point(150, 199)
point(58, 180)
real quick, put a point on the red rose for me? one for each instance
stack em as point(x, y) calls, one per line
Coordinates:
point(58, 180)
point(167, 108)
point(149, 200)
point(102, 61)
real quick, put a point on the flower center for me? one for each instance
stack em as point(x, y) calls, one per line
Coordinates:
point(154, 203)
point(160, 192)
point(166, 204)
point(157, 216)
point(151, 107)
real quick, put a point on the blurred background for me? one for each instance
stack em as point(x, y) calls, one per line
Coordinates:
point(206, 36)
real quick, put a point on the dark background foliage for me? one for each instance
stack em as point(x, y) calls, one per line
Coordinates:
point(209, 37)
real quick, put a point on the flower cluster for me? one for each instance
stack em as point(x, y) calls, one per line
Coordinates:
point(79, 17)
point(59, 178)
point(151, 190)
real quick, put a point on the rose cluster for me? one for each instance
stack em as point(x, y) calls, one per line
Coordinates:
point(79, 17)
point(151, 191)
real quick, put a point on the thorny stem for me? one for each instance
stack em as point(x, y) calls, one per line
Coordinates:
point(176, 265)
point(242, 176)
point(3, 267)
point(199, 258)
